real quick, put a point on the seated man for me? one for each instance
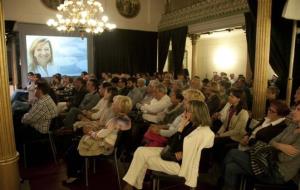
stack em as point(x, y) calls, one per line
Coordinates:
point(160, 102)
point(141, 85)
point(134, 93)
point(38, 118)
point(88, 102)
point(79, 92)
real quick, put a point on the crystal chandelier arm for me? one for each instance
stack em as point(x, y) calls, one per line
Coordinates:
point(82, 15)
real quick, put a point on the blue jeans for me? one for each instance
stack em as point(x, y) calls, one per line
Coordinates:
point(236, 164)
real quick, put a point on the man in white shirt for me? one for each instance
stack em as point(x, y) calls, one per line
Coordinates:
point(160, 102)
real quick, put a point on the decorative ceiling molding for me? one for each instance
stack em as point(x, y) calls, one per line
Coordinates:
point(202, 11)
point(211, 25)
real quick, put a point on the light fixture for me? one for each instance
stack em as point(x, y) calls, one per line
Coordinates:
point(84, 16)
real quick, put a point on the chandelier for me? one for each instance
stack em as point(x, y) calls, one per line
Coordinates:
point(84, 16)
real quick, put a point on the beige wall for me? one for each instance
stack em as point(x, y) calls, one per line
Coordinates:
point(223, 51)
point(33, 11)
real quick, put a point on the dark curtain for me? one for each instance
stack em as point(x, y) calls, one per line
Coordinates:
point(125, 51)
point(163, 48)
point(281, 32)
point(178, 37)
point(250, 36)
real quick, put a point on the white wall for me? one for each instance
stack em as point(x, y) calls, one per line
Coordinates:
point(33, 11)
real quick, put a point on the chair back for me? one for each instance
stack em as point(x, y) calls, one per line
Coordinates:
point(122, 141)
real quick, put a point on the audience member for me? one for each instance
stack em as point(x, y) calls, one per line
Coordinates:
point(141, 85)
point(272, 94)
point(36, 121)
point(99, 142)
point(134, 93)
point(88, 102)
point(273, 124)
point(280, 160)
point(160, 102)
point(122, 86)
point(79, 93)
point(195, 83)
point(97, 119)
point(169, 129)
point(181, 156)
point(233, 128)
point(152, 136)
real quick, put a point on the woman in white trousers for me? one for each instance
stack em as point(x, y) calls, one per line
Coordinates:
point(195, 117)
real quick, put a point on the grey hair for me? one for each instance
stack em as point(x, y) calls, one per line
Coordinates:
point(161, 88)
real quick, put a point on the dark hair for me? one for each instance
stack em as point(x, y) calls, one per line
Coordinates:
point(38, 75)
point(178, 95)
point(115, 80)
point(239, 93)
point(132, 79)
point(43, 86)
point(113, 91)
point(281, 107)
point(84, 73)
point(83, 82)
point(30, 74)
point(205, 81)
point(225, 84)
point(275, 90)
point(95, 83)
point(106, 84)
point(123, 80)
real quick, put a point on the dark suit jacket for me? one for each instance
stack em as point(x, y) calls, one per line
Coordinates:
point(78, 97)
point(268, 133)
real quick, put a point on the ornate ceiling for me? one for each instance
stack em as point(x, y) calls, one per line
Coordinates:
point(198, 11)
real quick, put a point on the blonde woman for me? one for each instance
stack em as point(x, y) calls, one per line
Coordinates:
point(41, 57)
point(94, 143)
point(181, 156)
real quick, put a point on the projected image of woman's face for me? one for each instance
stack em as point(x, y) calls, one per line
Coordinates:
point(49, 55)
point(42, 53)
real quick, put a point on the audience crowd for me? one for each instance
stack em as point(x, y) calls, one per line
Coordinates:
point(173, 124)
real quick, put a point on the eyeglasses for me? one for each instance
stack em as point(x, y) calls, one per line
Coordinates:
point(272, 111)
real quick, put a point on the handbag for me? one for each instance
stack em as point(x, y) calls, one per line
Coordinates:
point(167, 154)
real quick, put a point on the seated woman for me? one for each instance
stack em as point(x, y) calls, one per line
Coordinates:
point(286, 148)
point(232, 130)
point(176, 157)
point(101, 113)
point(95, 143)
point(267, 129)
